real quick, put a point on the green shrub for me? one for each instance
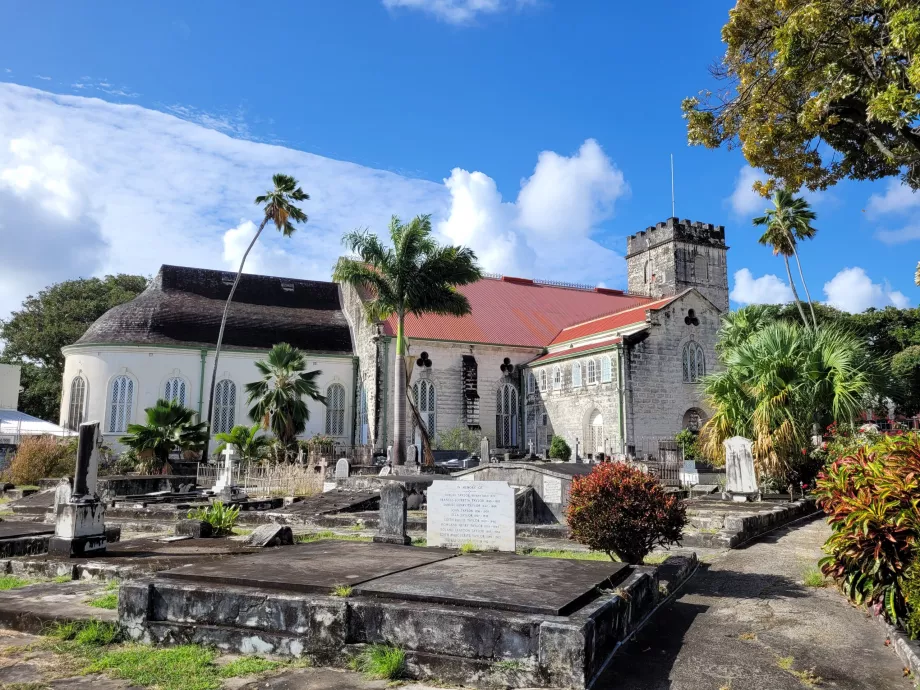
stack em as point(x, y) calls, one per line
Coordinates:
point(559, 449)
point(382, 662)
point(38, 457)
point(459, 438)
point(910, 588)
point(687, 440)
point(222, 518)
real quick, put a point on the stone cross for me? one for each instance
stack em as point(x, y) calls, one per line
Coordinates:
point(530, 447)
point(391, 527)
point(740, 477)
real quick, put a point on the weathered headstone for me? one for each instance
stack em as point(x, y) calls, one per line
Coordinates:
point(342, 468)
point(271, 535)
point(391, 527)
point(485, 453)
point(740, 478)
point(80, 521)
point(197, 529)
point(412, 457)
point(62, 494)
point(552, 489)
point(224, 483)
point(477, 513)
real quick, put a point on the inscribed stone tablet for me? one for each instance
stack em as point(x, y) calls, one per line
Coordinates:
point(478, 513)
point(552, 489)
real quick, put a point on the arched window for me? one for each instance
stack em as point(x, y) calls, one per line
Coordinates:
point(424, 396)
point(122, 402)
point(506, 416)
point(576, 375)
point(175, 390)
point(701, 268)
point(543, 380)
point(224, 406)
point(77, 403)
point(592, 372)
point(335, 410)
point(531, 382)
point(694, 363)
point(595, 434)
point(606, 369)
point(557, 378)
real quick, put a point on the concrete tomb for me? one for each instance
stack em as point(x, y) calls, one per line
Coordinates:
point(477, 513)
point(741, 479)
point(271, 535)
point(80, 528)
point(391, 528)
point(197, 529)
point(342, 468)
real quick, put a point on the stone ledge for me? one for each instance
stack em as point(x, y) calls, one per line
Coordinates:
point(908, 650)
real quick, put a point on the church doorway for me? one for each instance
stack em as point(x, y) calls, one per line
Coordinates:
point(595, 435)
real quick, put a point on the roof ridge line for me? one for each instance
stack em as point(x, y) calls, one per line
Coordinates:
point(614, 313)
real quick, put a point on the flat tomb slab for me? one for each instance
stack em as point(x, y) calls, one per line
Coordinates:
point(10, 529)
point(526, 584)
point(332, 502)
point(317, 567)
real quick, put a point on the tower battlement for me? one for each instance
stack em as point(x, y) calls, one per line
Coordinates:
point(675, 229)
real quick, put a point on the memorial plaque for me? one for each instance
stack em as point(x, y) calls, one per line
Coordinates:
point(477, 513)
point(552, 489)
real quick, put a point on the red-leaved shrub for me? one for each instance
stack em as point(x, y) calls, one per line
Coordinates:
point(624, 512)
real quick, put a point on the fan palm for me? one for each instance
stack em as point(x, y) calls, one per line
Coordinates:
point(416, 276)
point(246, 441)
point(787, 223)
point(277, 399)
point(170, 426)
point(279, 207)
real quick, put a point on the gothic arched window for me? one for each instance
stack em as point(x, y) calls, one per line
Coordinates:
point(77, 403)
point(606, 369)
point(424, 395)
point(335, 410)
point(557, 378)
point(592, 372)
point(121, 403)
point(506, 416)
point(224, 406)
point(543, 380)
point(576, 375)
point(175, 390)
point(694, 362)
point(531, 382)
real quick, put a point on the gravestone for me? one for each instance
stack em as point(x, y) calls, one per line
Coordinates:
point(271, 535)
point(477, 513)
point(80, 521)
point(552, 490)
point(740, 478)
point(411, 458)
point(342, 468)
point(62, 494)
point(196, 529)
point(391, 526)
point(485, 453)
point(224, 484)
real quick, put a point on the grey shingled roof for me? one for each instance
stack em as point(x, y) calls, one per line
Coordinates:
point(183, 306)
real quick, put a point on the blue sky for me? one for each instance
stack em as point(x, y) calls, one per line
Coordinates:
point(537, 131)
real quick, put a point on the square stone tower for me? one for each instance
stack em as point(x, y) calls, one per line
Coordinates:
point(678, 254)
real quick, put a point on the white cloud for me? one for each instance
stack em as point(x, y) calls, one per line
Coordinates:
point(458, 11)
point(42, 77)
point(546, 232)
point(898, 198)
point(852, 290)
point(744, 200)
point(906, 234)
point(767, 289)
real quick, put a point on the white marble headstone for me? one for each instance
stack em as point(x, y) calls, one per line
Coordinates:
point(478, 513)
point(342, 468)
point(740, 477)
point(225, 473)
point(484, 451)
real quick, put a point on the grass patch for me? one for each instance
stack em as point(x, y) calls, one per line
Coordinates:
point(468, 547)
point(328, 534)
point(563, 553)
point(655, 558)
point(247, 666)
point(91, 633)
point(356, 528)
point(813, 578)
point(510, 665)
point(13, 582)
point(189, 667)
point(106, 601)
point(241, 531)
point(419, 541)
point(785, 662)
point(61, 579)
point(342, 591)
point(381, 662)
point(747, 636)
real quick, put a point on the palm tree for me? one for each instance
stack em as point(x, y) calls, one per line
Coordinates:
point(278, 206)
point(246, 440)
point(416, 276)
point(170, 425)
point(277, 400)
point(786, 224)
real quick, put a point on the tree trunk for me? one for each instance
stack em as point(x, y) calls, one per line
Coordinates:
point(220, 338)
point(399, 399)
point(795, 293)
point(807, 295)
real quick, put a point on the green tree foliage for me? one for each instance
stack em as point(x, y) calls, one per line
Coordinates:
point(905, 371)
point(34, 335)
point(277, 399)
point(279, 205)
point(815, 91)
point(459, 438)
point(246, 441)
point(559, 449)
point(414, 276)
point(779, 381)
point(170, 426)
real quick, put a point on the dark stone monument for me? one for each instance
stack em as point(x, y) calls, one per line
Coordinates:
point(271, 535)
point(197, 529)
point(391, 528)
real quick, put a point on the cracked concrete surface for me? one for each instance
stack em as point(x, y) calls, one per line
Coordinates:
point(746, 616)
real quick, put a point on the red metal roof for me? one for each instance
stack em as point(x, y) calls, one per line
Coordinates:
point(517, 311)
point(561, 354)
point(620, 319)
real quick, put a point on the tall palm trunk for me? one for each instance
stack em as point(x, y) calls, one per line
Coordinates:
point(795, 293)
point(220, 336)
point(811, 307)
point(399, 398)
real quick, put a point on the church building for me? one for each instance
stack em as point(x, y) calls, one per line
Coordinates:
point(606, 369)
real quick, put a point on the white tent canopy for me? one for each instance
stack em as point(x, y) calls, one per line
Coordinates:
point(15, 424)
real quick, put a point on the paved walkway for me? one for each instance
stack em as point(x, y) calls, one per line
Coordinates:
point(746, 621)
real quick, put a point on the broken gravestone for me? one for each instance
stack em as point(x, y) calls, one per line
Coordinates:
point(197, 529)
point(271, 535)
point(391, 527)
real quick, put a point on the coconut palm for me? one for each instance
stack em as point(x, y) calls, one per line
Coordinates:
point(278, 205)
point(786, 225)
point(416, 276)
point(170, 426)
point(778, 382)
point(246, 440)
point(277, 399)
